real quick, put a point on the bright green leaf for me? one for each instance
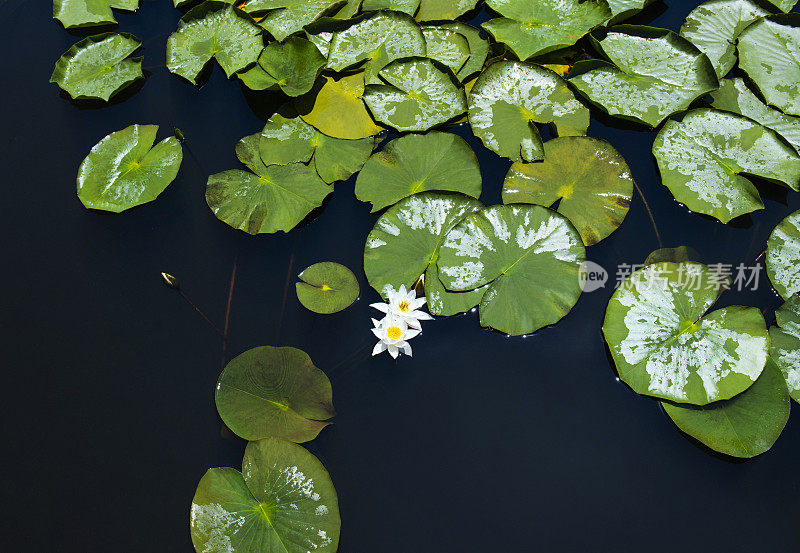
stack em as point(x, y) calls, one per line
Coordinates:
point(327, 287)
point(448, 47)
point(337, 108)
point(405, 6)
point(623, 9)
point(478, 48)
point(783, 256)
point(337, 159)
point(444, 10)
point(286, 17)
point(75, 14)
point(293, 65)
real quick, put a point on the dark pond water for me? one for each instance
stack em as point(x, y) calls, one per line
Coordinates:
point(480, 443)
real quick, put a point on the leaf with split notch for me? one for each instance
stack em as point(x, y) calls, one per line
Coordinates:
point(444, 303)
point(783, 256)
point(478, 48)
point(75, 14)
point(444, 10)
point(337, 108)
point(448, 47)
point(293, 65)
point(327, 288)
point(785, 344)
point(286, 17)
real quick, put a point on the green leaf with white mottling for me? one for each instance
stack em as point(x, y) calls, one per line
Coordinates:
point(769, 52)
point(651, 74)
point(125, 170)
point(444, 303)
point(375, 42)
point(447, 47)
point(783, 5)
point(535, 28)
point(586, 176)
point(213, 30)
point(744, 426)
point(783, 256)
point(507, 100)
point(444, 10)
point(715, 26)
point(286, 17)
point(416, 163)
point(99, 67)
point(406, 238)
point(419, 96)
point(405, 6)
point(337, 108)
point(664, 345)
point(478, 48)
point(294, 64)
point(327, 288)
point(785, 344)
point(282, 501)
point(75, 14)
point(528, 255)
point(705, 157)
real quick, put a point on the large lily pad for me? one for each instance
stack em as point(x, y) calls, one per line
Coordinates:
point(783, 256)
point(416, 163)
point(292, 66)
point(286, 17)
point(418, 96)
point(448, 47)
point(714, 27)
point(268, 199)
point(269, 392)
point(337, 108)
point(529, 255)
point(510, 97)
point(785, 344)
point(213, 30)
point(98, 67)
point(444, 10)
point(650, 74)
point(478, 48)
point(282, 501)
point(75, 14)
point(124, 169)
point(534, 28)
point(327, 287)
point(375, 42)
point(665, 345)
point(406, 239)
point(704, 158)
point(744, 426)
point(586, 176)
point(768, 53)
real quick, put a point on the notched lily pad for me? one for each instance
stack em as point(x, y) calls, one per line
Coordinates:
point(327, 287)
point(448, 47)
point(292, 66)
point(785, 344)
point(269, 392)
point(125, 170)
point(99, 67)
point(286, 17)
point(75, 14)
point(783, 256)
point(337, 108)
point(478, 48)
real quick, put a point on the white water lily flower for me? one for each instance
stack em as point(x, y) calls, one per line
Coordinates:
point(404, 305)
point(393, 333)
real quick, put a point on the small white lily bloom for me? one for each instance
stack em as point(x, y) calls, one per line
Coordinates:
point(404, 305)
point(393, 333)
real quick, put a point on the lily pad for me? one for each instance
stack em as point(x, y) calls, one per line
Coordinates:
point(375, 42)
point(75, 14)
point(623, 9)
point(744, 426)
point(268, 199)
point(714, 28)
point(785, 344)
point(534, 28)
point(768, 53)
point(676, 255)
point(405, 6)
point(478, 48)
point(125, 170)
point(734, 96)
point(783, 5)
point(586, 176)
point(704, 158)
point(529, 255)
point(783, 256)
point(417, 163)
point(418, 96)
point(665, 345)
point(215, 30)
point(651, 74)
point(444, 303)
point(286, 17)
point(269, 392)
point(99, 67)
point(283, 500)
point(337, 109)
point(444, 10)
point(510, 97)
point(293, 66)
point(327, 287)
point(406, 239)
point(448, 47)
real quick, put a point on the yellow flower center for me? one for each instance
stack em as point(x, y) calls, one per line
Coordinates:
point(404, 307)
point(326, 288)
point(394, 333)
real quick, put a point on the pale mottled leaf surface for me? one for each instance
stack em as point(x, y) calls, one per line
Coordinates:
point(703, 160)
point(785, 344)
point(444, 303)
point(337, 108)
point(327, 287)
point(448, 47)
point(75, 14)
point(124, 169)
point(783, 256)
point(478, 48)
point(529, 256)
point(286, 17)
point(588, 176)
point(510, 97)
point(444, 10)
point(665, 345)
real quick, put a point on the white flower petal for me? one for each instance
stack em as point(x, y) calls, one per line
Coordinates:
point(412, 333)
point(380, 347)
point(402, 291)
point(414, 323)
point(378, 332)
point(406, 348)
point(393, 351)
point(417, 303)
point(419, 315)
point(382, 307)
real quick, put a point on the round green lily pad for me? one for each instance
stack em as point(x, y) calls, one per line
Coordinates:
point(785, 344)
point(783, 256)
point(327, 287)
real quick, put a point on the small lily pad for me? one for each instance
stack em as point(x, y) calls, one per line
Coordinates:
point(785, 344)
point(99, 67)
point(286, 17)
point(337, 109)
point(444, 10)
point(327, 287)
point(75, 14)
point(665, 345)
point(448, 47)
point(510, 97)
point(269, 392)
point(417, 97)
point(125, 170)
point(586, 176)
point(293, 66)
point(744, 426)
point(416, 163)
point(783, 256)
point(283, 500)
